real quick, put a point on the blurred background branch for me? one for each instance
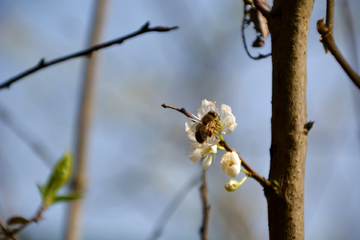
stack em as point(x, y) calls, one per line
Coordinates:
point(204, 230)
point(79, 182)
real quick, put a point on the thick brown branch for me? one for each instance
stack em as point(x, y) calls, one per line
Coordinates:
point(204, 230)
point(329, 43)
point(84, 53)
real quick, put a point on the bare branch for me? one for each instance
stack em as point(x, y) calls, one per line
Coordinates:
point(84, 117)
point(85, 53)
point(204, 230)
point(330, 6)
point(182, 110)
point(10, 233)
point(329, 44)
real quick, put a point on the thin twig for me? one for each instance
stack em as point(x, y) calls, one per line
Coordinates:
point(204, 230)
point(10, 234)
point(181, 110)
point(245, 24)
point(172, 206)
point(329, 43)
point(85, 53)
point(84, 117)
point(263, 181)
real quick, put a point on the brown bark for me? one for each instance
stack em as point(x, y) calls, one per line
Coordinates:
point(289, 24)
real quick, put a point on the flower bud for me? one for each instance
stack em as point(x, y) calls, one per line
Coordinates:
point(231, 164)
point(231, 186)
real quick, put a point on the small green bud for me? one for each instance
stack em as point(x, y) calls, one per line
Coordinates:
point(60, 175)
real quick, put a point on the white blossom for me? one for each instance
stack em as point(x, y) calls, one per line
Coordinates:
point(199, 151)
point(227, 123)
point(231, 164)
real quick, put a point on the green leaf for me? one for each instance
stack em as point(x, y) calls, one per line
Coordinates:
point(67, 198)
point(59, 176)
point(17, 220)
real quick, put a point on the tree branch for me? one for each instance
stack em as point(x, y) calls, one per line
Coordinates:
point(330, 6)
point(328, 41)
point(11, 233)
point(85, 53)
point(80, 181)
point(204, 230)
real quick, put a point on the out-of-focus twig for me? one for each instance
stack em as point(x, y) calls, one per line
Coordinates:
point(328, 40)
point(28, 136)
point(204, 230)
point(10, 233)
point(79, 182)
point(84, 53)
point(172, 206)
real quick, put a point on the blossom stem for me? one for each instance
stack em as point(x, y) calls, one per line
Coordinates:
point(243, 180)
point(244, 171)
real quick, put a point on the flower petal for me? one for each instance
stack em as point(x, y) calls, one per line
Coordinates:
point(196, 153)
point(206, 106)
point(207, 161)
point(228, 122)
point(225, 108)
point(189, 125)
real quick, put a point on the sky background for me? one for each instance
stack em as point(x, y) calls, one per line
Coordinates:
point(138, 150)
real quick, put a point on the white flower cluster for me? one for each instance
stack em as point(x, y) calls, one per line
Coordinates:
point(212, 126)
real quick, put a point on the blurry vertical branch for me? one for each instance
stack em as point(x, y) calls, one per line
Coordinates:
point(204, 230)
point(79, 183)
